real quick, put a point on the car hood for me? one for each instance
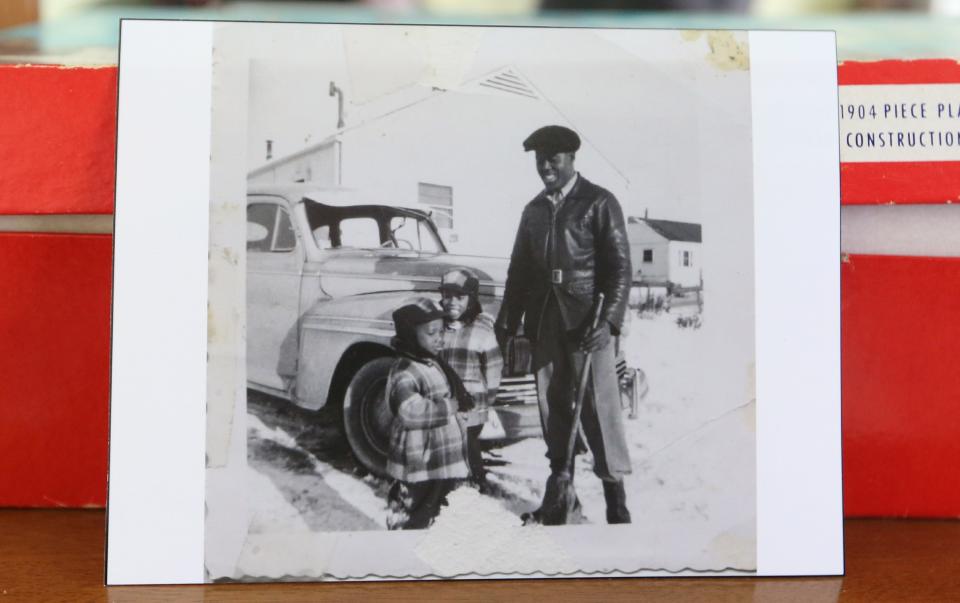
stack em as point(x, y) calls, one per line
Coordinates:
point(348, 272)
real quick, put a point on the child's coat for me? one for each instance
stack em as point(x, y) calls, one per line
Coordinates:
point(427, 441)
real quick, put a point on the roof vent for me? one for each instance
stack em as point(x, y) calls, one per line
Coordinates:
point(508, 81)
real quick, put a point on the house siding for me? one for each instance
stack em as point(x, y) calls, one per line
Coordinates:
point(642, 237)
point(667, 257)
point(686, 276)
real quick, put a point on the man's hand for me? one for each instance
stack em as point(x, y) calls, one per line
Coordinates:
point(596, 339)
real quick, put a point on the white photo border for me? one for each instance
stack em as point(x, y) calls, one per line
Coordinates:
point(156, 499)
point(155, 508)
point(797, 255)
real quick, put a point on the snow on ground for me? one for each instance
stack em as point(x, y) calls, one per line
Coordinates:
point(270, 512)
point(355, 492)
point(693, 460)
point(693, 457)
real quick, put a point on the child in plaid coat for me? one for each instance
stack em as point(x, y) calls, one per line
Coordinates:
point(470, 348)
point(427, 456)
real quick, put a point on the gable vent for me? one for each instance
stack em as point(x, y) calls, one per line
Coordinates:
point(509, 82)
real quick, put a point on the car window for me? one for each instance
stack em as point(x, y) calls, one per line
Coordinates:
point(360, 233)
point(269, 228)
point(321, 235)
point(411, 233)
point(261, 218)
point(286, 239)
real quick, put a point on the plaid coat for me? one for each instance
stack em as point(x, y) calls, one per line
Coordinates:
point(472, 351)
point(427, 441)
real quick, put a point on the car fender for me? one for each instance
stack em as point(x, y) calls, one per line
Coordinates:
point(337, 336)
point(326, 349)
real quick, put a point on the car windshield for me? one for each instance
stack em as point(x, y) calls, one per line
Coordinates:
point(411, 233)
point(372, 227)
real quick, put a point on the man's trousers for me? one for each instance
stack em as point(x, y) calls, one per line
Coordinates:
point(558, 361)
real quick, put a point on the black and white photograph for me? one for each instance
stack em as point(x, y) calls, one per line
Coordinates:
point(498, 268)
point(474, 302)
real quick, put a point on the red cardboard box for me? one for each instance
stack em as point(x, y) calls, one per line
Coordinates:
point(900, 315)
point(59, 128)
point(899, 333)
point(55, 369)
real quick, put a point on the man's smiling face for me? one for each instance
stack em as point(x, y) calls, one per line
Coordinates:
point(555, 169)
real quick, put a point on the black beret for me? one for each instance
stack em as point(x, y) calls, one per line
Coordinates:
point(420, 311)
point(555, 139)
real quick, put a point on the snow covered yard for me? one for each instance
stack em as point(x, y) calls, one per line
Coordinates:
point(693, 459)
point(692, 489)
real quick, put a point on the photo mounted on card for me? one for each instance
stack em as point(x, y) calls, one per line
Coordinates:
point(399, 302)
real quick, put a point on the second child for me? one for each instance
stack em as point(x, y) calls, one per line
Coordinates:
point(470, 348)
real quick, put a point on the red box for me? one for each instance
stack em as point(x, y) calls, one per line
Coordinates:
point(55, 369)
point(900, 331)
point(58, 127)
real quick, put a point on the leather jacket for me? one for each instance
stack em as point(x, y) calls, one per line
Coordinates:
point(572, 251)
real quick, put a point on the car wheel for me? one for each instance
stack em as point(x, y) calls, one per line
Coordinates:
point(367, 417)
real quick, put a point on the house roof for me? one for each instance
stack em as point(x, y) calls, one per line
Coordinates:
point(673, 231)
point(507, 79)
point(504, 79)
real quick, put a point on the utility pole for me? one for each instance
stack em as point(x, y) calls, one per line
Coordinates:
point(335, 91)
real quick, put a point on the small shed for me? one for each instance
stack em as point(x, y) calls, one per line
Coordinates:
point(665, 252)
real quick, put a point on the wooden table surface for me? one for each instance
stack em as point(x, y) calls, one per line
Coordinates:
point(53, 556)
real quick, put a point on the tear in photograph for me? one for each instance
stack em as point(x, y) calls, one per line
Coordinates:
point(481, 303)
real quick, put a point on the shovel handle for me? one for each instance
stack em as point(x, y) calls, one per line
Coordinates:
point(581, 389)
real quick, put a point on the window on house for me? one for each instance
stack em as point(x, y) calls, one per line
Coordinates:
point(686, 258)
point(440, 201)
point(647, 256)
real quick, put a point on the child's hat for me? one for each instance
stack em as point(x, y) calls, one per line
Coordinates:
point(460, 282)
point(416, 313)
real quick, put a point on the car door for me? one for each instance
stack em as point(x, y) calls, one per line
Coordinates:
point(275, 259)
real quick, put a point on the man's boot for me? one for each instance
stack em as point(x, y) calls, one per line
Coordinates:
point(546, 513)
point(616, 496)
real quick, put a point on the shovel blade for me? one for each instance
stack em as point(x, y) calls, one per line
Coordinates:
point(560, 503)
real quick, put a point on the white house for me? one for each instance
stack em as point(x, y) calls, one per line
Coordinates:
point(663, 251)
point(456, 152)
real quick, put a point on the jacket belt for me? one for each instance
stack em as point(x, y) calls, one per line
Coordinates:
point(558, 276)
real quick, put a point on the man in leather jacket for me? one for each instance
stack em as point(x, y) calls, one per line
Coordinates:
point(572, 245)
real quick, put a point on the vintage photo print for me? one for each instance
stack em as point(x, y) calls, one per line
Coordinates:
point(432, 217)
point(481, 302)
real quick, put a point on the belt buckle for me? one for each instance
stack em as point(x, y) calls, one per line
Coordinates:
point(556, 277)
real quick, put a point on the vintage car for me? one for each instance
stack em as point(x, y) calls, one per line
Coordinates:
point(325, 270)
